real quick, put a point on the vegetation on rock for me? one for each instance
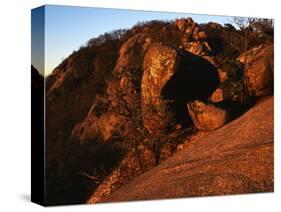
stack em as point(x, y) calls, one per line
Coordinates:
point(118, 106)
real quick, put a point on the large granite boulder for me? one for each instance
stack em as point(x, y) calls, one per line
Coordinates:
point(259, 71)
point(160, 64)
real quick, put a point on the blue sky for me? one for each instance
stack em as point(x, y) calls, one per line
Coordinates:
point(67, 27)
point(37, 38)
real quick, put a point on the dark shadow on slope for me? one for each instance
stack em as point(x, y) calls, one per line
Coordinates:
point(195, 78)
point(37, 136)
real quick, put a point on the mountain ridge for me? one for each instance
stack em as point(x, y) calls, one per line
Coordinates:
point(128, 100)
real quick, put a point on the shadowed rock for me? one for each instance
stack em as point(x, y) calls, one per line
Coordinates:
point(195, 79)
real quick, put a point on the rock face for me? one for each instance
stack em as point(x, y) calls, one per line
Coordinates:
point(137, 162)
point(195, 39)
point(198, 48)
point(122, 96)
point(155, 79)
point(215, 164)
point(170, 80)
point(63, 78)
point(138, 94)
point(217, 96)
point(206, 116)
point(132, 166)
point(160, 64)
point(144, 76)
point(190, 30)
point(259, 73)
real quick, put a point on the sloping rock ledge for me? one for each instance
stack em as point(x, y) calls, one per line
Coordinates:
point(235, 159)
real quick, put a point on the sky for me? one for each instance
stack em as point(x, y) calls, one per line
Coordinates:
point(67, 28)
point(37, 39)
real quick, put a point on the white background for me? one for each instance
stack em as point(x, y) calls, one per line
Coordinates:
point(15, 104)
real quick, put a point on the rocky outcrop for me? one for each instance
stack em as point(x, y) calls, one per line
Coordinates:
point(139, 160)
point(171, 79)
point(160, 64)
point(65, 77)
point(145, 83)
point(132, 166)
point(122, 97)
point(214, 164)
point(113, 116)
point(207, 116)
point(145, 91)
point(190, 30)
point(193, 39)
point(259, 72)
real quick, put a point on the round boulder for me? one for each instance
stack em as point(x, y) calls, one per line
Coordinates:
point(207, 117)
point(260, 71)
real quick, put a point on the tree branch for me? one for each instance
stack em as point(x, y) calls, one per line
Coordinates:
point(91, 177)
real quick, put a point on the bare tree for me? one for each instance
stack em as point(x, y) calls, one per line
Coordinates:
point(244, 26)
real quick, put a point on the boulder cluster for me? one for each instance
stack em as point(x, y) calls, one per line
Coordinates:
point(156, 90)
point(140, 84)
point(193, 38)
